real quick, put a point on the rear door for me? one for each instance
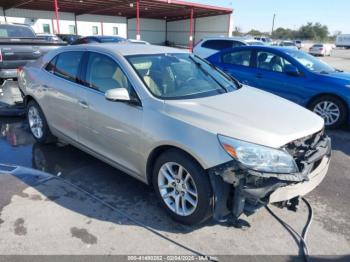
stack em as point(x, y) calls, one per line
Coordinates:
point(237, 63)
point(61, 90)
point(109, 128)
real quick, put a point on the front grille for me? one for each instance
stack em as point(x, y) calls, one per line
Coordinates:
point(301, 149)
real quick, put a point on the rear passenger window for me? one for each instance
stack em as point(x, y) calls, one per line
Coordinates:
point(67, 65)
point(221, 44)
point(217, 44)
point(237, 58)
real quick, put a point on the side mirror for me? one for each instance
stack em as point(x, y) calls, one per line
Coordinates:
point(118, 94)
point(291, 70)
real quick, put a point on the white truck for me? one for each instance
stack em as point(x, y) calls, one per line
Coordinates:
point(343, 41)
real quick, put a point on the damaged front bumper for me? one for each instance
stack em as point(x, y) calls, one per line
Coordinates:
point(238, 189)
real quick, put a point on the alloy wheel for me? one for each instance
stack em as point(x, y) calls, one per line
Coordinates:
point(329, 111)
point(177, 189)
point(35, 122)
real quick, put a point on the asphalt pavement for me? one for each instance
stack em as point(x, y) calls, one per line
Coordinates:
point(52, 217)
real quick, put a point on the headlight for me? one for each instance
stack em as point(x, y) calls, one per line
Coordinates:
point(259, 158)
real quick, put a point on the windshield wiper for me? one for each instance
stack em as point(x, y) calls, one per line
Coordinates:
point(207, 73)
point(339, 70)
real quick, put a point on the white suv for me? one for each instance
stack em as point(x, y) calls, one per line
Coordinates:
point(209, 46)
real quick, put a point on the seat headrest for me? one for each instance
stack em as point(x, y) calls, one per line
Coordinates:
point(262, 57)
point(103, 69)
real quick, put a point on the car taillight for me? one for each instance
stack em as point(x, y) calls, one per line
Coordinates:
point(321, 49)
point(0, 55)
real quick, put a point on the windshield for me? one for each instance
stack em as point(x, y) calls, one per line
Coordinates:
point(15, 31)
point(311, 63)
point(180, 76)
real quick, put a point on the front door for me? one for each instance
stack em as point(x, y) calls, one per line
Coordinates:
point(269, 75)
point(109, 128)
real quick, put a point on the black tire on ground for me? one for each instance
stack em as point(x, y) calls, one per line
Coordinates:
point(47, 136)
point(204, 209)
point(341, 105)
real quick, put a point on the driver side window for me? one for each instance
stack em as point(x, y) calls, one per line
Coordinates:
point(241, 58)
point(103, 74)
point(271, 62)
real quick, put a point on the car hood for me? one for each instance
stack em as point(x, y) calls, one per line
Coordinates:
point(339, 76)
point(248, 114)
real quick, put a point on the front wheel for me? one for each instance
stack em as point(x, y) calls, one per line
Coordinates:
point(331, 109)
point(183, 188)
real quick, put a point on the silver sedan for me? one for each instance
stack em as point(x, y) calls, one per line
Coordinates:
point(208, 145)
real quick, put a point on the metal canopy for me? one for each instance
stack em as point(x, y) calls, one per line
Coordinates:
point(169, 10)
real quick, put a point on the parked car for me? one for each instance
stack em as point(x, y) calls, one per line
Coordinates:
point(141, 42)
point(264, 39)
point(19, 45)
point(170, 119)
point(320, 49)
point(299, 44)
point(254, 42)
point(209, 46)
point(289, 44)
point(69, 38)
point(99, 39)
point(49, 37)
point(343, 40)
point(291, 74)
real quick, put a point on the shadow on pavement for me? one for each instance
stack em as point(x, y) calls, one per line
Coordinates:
point(113, 186)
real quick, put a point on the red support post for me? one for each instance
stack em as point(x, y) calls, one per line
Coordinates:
point(57, 17)
point(190, 42)
point(138, 35)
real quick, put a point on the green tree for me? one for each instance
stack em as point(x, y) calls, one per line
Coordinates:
point(255, 32)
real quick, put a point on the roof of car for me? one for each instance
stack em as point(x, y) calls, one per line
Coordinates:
point(224, 38)
point(137, 49)
point(262, 47)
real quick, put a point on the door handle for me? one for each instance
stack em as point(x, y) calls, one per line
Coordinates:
point(83, 104)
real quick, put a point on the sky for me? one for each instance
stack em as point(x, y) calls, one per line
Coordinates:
point(291, 14)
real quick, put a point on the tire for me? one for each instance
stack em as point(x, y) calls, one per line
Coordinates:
point(337, 107)
point(187, 213)
point(37, 124)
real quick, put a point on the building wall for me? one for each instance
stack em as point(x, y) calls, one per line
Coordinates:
point(152, 30)
point(86, 22)
point(155, 31)
point(37, 19)
point(178, 32)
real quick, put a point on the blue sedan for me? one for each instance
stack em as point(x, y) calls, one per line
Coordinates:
point(291, 74)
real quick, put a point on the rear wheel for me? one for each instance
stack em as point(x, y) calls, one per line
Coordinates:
point(182, 187)
point(331, 109)
point(37, 123)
